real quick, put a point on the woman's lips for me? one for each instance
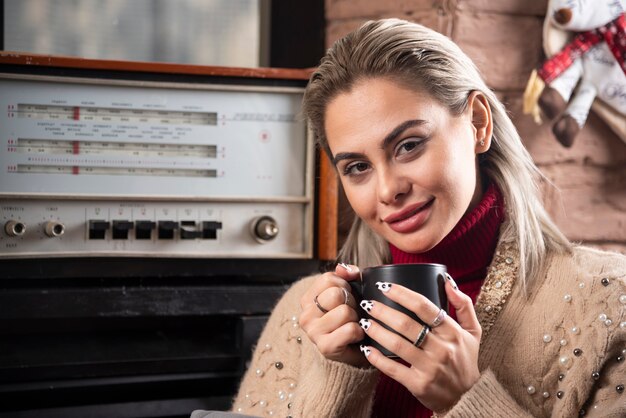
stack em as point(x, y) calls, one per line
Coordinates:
point(410, 219)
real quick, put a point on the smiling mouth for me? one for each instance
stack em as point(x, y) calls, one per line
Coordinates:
point(410, 220)
point(408, 214)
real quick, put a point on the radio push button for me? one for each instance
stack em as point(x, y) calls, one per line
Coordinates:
point(209, 229)
point(167, 228)
point(98, 228)
point(189, 230)
point(143, 229)
point(120, 229)
point(264, 229)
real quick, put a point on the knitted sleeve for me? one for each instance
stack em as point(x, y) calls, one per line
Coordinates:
point(487, 398)
point(289, 377)
point(601, 386)
point(584, 364)
point(594, 372)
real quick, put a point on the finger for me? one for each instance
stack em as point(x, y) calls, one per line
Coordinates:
point(334, 296)
point(334, 319)
point(396, 320)
point(348, 272)
point(425, 310)
point(393, 342)
point(322, 283)
point(340, 338)
point(434, 394)
point(462, 303)
point(394, 369)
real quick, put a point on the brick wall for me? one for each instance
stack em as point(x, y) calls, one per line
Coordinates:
point(504, 40)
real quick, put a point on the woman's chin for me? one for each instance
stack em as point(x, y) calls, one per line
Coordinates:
point(414, 246)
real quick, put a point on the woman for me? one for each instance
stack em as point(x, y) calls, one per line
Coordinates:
point(436, 172)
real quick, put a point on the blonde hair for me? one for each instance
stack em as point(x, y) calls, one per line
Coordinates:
point(422, 59)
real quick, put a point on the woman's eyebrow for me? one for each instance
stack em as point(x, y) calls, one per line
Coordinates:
point(397, 131)
point(346, 156)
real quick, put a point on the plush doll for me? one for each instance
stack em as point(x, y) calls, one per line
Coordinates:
point(592, 65)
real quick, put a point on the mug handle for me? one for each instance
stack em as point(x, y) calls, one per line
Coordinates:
point(441, 286)
point(357, 290)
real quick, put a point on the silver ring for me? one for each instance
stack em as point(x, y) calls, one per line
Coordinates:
point(422, 336)
point(320, 307)
point(441, 315)
point(345, 295)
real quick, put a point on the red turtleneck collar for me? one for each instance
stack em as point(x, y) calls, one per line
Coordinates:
point(467, 252)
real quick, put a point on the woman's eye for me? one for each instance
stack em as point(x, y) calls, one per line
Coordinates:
point(355, 168)
point(407, 147)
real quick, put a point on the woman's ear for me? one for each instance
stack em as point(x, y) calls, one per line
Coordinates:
point(480, 111)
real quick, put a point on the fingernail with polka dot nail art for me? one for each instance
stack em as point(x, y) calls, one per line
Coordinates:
point(367, 305)
point(365, 324)
point(452, 282)
point(383, 286)
point(365, 350)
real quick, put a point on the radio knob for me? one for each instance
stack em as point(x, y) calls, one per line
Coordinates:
point(54, 229)
point(264, 228)
point(15, 228)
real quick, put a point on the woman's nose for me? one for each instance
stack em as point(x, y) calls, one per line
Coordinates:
point(391, 186)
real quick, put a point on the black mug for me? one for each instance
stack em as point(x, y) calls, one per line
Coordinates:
point(425, 279)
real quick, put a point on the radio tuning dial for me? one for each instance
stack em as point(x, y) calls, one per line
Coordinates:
point(54, 229)
point(264, 229)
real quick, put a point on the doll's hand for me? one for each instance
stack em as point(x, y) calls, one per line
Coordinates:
point(445, 365)
point(334, 330)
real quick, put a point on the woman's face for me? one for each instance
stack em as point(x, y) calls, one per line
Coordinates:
point(407, 165)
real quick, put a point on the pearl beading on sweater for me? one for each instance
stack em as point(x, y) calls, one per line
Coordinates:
point(497, 287)
point(566, 362)
point(286, 394)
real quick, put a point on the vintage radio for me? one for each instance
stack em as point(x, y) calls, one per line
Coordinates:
point(140, 206)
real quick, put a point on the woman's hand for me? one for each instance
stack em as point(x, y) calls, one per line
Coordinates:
point(445, 365)
point(335, 330)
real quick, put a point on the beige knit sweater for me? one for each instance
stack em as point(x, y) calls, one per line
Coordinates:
point(553, 353)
